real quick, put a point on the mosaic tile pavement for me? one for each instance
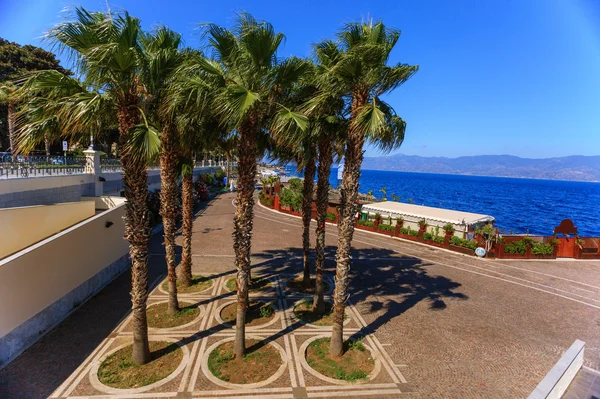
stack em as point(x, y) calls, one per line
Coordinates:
point(192, 379)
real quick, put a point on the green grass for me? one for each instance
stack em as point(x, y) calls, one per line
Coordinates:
point(353, 365)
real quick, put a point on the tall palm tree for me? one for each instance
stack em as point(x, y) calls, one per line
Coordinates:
point(310, 169)
point(328, 121)
point(189, 97)
point(254, 83)
point(361, 71)
point(113, 67)
point(164, 57)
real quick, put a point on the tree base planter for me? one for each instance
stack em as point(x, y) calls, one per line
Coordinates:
point(297, 285)
point(117, 371)
point(199, 284)
point(258, 314)
point(257, 284)
point(263, 363)
point(356, 365)
point(158, 316)
point(303, 311)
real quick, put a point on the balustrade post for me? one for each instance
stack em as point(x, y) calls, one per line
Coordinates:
point(92, 166)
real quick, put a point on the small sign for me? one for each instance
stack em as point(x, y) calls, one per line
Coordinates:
point(480, 252)
point(65, 146)
point(340, 171)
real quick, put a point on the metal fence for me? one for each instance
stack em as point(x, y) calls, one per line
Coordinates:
point(35, 166)
point(38, 166)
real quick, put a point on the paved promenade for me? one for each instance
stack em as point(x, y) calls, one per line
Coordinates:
point(442, 325)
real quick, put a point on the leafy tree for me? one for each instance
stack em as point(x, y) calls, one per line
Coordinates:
point(362, 72)
point(15, 62)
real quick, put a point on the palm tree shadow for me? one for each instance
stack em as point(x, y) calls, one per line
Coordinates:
point(387, 283)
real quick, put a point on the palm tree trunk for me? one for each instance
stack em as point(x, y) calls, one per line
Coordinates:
point(325, 160)
point(168, 208)
point(349, 195)
point(137, 233)
point(307, 191)
point(185, 267)
point(12, 127)
point(47, 147)
point(242, 223)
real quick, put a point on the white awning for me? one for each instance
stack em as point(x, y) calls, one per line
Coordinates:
point(417, 212)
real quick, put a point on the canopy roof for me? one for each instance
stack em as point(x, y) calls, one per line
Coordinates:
point(396, 209)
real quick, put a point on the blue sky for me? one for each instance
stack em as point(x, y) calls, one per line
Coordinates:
point(519, 77)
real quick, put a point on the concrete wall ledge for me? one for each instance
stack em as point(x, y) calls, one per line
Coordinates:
point(558, 379)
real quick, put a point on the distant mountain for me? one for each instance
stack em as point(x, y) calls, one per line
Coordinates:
point(576, 167)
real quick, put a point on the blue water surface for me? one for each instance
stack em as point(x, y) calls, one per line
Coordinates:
point(519, 205)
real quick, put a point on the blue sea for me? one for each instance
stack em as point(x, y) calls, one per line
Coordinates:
point(519, 205)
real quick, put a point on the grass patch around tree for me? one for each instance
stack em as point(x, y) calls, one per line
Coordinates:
point(159, 318)
point(354, 365)
point(304, 311)
point(199, 284)
point(297, 285)
point(257, 284)
point(260, 362)
point(258, 313)
point(119, 371)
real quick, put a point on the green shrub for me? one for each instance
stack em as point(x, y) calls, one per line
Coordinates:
point(438, 239)
point(265, 200)
point(413, 233)
point(366, 223)
point(291, 198)
point(330, 216)
point(387, 227)
point(427, 236)
point(460, 242)
point(516, 247)
point(295, 184)
point(541, 249)
point(422, 223)
point(527, 240)
point(404, 230)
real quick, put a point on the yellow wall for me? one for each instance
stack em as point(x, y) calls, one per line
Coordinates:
point(27, 225)
point(38, 276)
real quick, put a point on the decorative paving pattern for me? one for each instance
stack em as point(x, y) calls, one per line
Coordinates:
point(192, 379)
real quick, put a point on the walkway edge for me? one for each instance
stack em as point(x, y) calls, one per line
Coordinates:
point(558, 379)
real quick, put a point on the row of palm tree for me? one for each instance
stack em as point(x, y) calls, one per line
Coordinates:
point(238, 95)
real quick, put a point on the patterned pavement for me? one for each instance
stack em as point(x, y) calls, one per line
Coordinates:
point(294, 379)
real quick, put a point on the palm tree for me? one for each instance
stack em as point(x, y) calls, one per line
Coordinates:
point(111, 62)
point(326, 111)
point(362, 73)
point(189, 102)
point(164, 57)
point(253, 84)
point(384, 191)
point(307, 199)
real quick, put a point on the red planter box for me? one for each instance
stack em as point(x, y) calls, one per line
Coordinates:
point(462, 250)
